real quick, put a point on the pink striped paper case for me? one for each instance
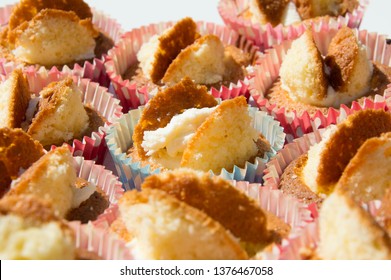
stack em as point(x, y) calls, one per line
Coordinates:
point(92, 147)
point(266, 72)
point(94, 70)
point(292, 212)
point(265, 35)
point(101, 177)
point(123, 55)
point(99, 242)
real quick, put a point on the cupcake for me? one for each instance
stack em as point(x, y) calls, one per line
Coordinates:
point(163, 54)
point(63, 34)
point(318, 73)
point(269, 22)
point(57, 109)
point(183, 126)
point(312, 166)
point(192, 206)
point(74, 188)
point(366, 233)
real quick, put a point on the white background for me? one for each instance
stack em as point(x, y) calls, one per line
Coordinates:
point(134, 13)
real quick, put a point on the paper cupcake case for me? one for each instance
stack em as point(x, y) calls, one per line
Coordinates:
point(292, 212)
point(94, 71)
point(102, 178)
point(267, 68)
point(99, 241)
point(132, 173)
point(125, 52)
point(92, 147)
point(265, 36)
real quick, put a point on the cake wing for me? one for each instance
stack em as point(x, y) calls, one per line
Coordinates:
point(14, 100)
point(350, 68)
point(216, 197)
point(25, 10)
point(61, 116)
point(342, 145)
point(17, 151)
point(51, 178)
point(226, 138)
point(347, 231)
point(168, 103)
point(367, 176)
point(202, 62)
point(54, 37)
point(166, 47)
point(166, 228)
point(302, 71)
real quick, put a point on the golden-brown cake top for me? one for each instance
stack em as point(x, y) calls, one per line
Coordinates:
point(346, 140)
point(192, 227)
point(341, 58)
point(17, 150)
point(19, 98)
point(25, 10)
point(229, 126)
point(367, 176)
point(361, 237)
point(218, 199)
point(182, 34)
point(45, 14)
point(272, 9)
point(38, 170)
point(202, 61)
point(28, 207)
point(168, 103)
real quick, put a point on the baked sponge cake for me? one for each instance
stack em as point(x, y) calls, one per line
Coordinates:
point(51, 33)
point(226, 138)
point(14, 99)
point(180, 52)
point(337, 159)
point(166, 104)
point(302, 72)
point(51, 178)
point(61, 114)
point(179, 131)
point(350, 69)
point(367, 176)
point(203, 62)
point(156, 55)
point(166, 228)
point(54, 37)
point(30, 231)
point(347, 231)
point(304, 77)
point(221, 201)
point(18, 151)
point(326, 162)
